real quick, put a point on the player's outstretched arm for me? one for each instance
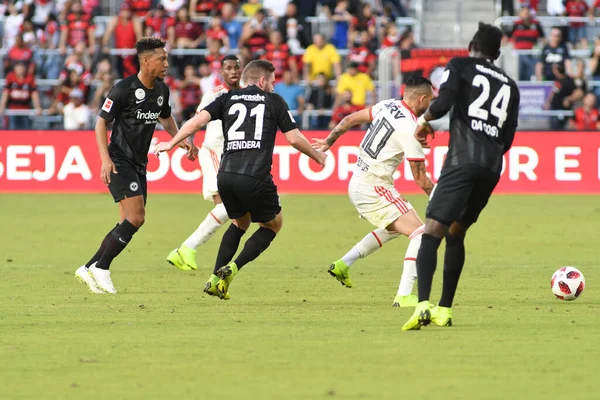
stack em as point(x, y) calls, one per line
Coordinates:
point(170, 126)
point(299, 142)
point(188, 129)
point(348, 122)
point(102, 142)
point(420, 176)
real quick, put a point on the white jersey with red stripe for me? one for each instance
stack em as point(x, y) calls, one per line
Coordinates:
point(213, 138)
point(388, 141)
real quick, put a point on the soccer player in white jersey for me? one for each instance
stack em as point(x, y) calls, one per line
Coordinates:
point(388, 141)
point(184, 257)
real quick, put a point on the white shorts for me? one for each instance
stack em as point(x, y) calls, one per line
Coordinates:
point(210, 160)
point(380, 204)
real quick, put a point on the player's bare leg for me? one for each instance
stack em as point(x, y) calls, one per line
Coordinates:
point(254, 246)
point(410, 225)
point(184, 257)
point(132, 213)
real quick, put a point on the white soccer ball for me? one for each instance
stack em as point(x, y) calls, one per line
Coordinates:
point(567, 283)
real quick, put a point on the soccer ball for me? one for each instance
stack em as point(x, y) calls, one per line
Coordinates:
point(567, 283)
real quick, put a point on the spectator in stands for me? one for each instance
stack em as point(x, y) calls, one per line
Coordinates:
point(31, 34)
point(358, 83)
point(159, 24)
point(342, 110)
point(126, 29)
point(103, 67)
point(293, 29)
point(20, 93)
point(205, 7)
point(77, 27)
point(78, 61)
point(172, 7)
point(213, 58)
point(76, 114)
point(391, 36)
point(251, 7)
point(320, 100)
point(245, 55)
point(49, 65)
point(217, 33)
point(19, 53)
point(407, 40)
point(101, 93)
point(586, 117)
point(279, 54)
point(594, 10)
point(321, 58)
point(63, 92)
point(342, 19)
point(292, 93)
point(208, 80)
point(364, 21)
point(554, 52)
point(188, 35)
point(595, 64)
point(525, 34)
point(362, 55)
point(256, 33)
point(140, 8)
point(564, 93)
point(231, 25)
point(580, 77)
point(42, 9)
point(12, 25)
point(577, 30)
point(189, 92)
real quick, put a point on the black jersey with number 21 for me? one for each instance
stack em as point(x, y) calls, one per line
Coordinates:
point(135, 110)
point(485, 113)
point(250, 118)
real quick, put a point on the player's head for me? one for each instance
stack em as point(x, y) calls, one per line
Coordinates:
point(260, 73)
point(153, 56)
point(231, 69)
point(486, 42)
point(418, 93)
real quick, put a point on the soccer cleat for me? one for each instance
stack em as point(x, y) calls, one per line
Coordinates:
point(226, 275)
point(183, 258)
point(410, 300)
point(83, 276)
point(421, 317)
point(102, 279)
point(340, 271)
point(441, 316)
point(210, 288)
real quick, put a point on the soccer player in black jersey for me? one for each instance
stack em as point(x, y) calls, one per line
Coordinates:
point(482, 129)
point(135, 104)
point(251, 118)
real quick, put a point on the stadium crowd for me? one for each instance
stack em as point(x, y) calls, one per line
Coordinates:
point(71, 44)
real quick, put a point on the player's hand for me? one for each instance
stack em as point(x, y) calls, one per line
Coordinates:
point(320, 144)
point(192, 151)
point(162, 147)
point(106, 169)
point(320, 158)
point(421, 134)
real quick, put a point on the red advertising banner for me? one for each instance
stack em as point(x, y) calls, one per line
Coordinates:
point(68, 162)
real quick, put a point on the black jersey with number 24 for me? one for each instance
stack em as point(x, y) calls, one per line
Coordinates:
point(135, 110)
point(485, 113)
point(250, 118)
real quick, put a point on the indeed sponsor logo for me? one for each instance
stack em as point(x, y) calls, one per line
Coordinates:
point(149, 116)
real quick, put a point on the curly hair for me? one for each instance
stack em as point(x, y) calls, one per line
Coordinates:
point(149, 44)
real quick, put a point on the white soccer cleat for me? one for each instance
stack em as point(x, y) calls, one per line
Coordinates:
point(102, 279)
point(83, 276)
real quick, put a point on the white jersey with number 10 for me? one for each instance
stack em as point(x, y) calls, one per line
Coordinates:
point(389, 139)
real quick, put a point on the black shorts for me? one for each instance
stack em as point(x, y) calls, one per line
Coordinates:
point(461, 193)
point(242, 194)
point(127, 182)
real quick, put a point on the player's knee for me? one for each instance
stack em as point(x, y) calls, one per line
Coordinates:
point(435, 228)
point(455, 239)
point(137, 219)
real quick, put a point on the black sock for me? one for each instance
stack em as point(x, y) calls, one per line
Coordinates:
point(229, 245)
point(426, 263)
point(454, 260)
point(257, 243)
point(101, 249)
point(117, 241)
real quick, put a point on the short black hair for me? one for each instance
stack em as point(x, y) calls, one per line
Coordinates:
point(229, 57)
point(149, 44)
point(418, 81)
point(487, 40)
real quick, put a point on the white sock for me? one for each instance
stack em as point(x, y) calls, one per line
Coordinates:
point(213, 221)
point(409, 272)
point(369, 244)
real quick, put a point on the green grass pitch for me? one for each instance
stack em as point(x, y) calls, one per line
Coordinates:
point(291, 331)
